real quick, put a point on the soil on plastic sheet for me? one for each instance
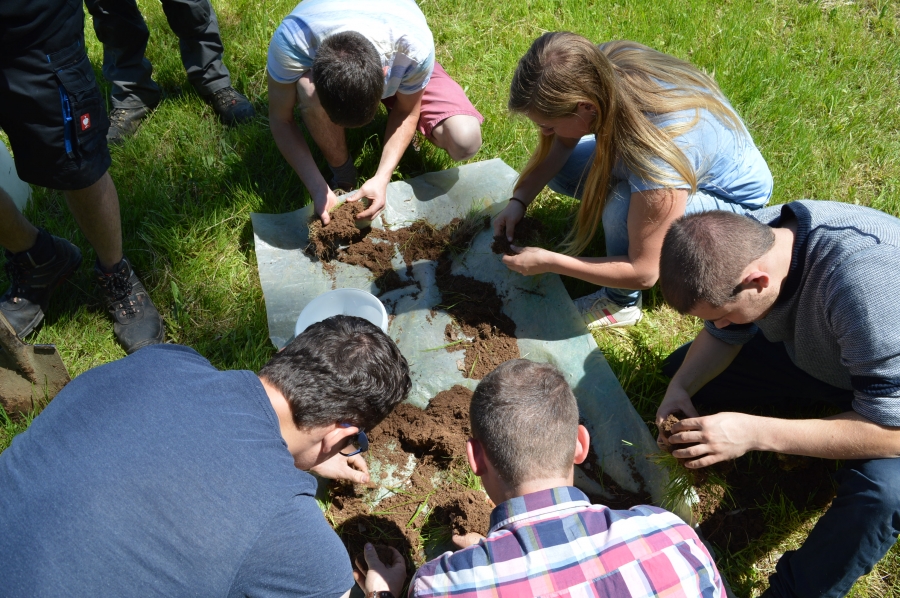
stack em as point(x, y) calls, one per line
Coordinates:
point(528, 232)
point(481, 329)
point(436, 437)
point(324, 241)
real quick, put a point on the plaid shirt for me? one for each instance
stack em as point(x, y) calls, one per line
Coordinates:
point(555, 543)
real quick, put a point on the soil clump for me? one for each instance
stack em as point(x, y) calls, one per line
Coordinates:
point(528, 232)
point(324, 241)
point(434, 500)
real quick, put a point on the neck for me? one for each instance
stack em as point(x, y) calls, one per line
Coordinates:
point(293, 437)
point(782, 252)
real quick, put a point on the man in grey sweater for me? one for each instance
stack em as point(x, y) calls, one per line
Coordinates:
point(819, 281)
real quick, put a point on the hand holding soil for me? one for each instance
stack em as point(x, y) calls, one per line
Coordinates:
point(703, 441)
point(351, 469)
point(380, 568)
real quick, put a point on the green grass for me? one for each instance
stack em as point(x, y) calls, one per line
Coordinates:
point(816, 83)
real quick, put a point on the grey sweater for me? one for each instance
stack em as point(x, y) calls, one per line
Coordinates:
point(838, 313)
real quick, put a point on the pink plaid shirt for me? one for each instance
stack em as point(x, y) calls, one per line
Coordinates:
point(555, 543)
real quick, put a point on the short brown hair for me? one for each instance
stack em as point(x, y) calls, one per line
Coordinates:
point(525, 416)
point(703, 256)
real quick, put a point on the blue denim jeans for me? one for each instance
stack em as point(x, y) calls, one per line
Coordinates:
point(570, 181)
point(863, 521)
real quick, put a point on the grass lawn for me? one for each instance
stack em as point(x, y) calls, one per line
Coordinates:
point(816, 83)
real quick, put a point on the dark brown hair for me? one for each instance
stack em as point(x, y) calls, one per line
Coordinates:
point(349, 79)
point(703, 256)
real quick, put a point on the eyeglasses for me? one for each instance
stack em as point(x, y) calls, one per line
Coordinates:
point(360, 442)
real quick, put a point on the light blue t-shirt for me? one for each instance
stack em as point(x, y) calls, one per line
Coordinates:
point(158, 475)
point(396, 28)
point(726, 161)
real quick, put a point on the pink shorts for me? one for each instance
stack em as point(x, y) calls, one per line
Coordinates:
point(442, 99)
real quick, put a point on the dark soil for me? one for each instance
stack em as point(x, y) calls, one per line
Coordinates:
point(482, 329)
point(437, 438)
point(325, 240)
point(528, 232)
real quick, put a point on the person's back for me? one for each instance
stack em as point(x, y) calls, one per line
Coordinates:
point(159, 475)
point(545, 537)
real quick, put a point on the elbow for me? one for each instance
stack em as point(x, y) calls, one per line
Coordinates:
point(646, 280)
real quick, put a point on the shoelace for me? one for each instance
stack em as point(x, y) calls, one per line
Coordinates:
point(225, 97)
point(119, 287)
point(16, 274)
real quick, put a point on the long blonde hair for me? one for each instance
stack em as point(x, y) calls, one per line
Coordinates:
point(627, 83)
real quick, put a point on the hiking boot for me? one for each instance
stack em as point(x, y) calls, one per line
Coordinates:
point(599, 311)
point(136, 323)
point(32, 283)
point(124, 123)
point(231, 106)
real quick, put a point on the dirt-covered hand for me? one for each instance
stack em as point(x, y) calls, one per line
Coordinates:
point(381, 577)
point(324, 204)
point(529, 260)
point(506, 221)
point(719, 437)
point(353, 469)
point(376, 191)
point(676, 399)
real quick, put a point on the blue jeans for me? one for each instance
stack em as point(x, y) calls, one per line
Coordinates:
point(570, 181)
point(863, 521)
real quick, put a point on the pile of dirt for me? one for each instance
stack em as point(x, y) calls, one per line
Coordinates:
point(482, 330)
point(324, 241)
point(436, 437)
point(618, 498)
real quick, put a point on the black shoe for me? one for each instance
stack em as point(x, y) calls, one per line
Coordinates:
point(124, 123)
point(136, 323)
point(25, 302)
point(231, 106)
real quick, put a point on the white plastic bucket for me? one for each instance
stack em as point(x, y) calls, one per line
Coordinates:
point(348, 302)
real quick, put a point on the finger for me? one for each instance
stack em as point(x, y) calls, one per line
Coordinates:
point(398, 561)
point(371, 212)
point(686, 437)
point(704, 462)
point(356, 196)
point(691, 452)
point(499, 225)
point(325, 217)
point(358, 463)
point(372, 559)
point(360, 580)
point(510, 229)
point(685, 425)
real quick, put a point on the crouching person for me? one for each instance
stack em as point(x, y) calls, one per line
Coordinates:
point(545, 536)
point(160, 475)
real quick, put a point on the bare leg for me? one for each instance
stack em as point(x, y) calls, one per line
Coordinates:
point(460, 135)
point(16, 233)
point(328, 136)
point(96, 210)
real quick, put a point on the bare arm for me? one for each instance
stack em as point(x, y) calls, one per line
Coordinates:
point(649, 217)
point(401, 127)
point(292, 145)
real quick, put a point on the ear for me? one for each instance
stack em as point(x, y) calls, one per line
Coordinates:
point(476, 457)
point(335, 437)
point(587, 107)
point(755, 280)
point(582, 445)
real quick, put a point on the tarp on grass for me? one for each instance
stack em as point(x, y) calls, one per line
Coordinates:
point(548, 327)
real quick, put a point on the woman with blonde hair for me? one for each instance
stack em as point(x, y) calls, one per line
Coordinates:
point(641, 138)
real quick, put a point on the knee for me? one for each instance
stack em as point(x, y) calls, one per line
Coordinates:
point(459, 135)
point(878, 480)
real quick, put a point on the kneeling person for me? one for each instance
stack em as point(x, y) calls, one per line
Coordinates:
point(545, 536)
point(158, 474)
point(338, 59)
point(800, 303)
